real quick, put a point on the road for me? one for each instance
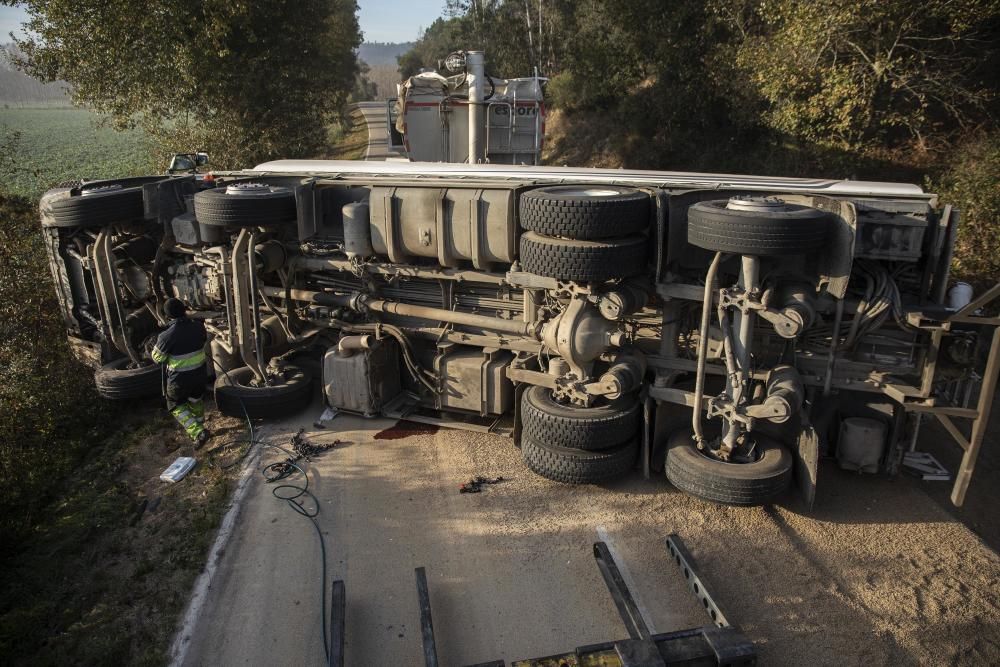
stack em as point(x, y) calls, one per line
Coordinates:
point(878, 573)
point(378, 142)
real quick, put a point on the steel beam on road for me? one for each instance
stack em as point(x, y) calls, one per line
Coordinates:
point(635, 624)
point(338, 612)
point(426, 622)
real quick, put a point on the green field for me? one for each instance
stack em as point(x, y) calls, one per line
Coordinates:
point(65, 144)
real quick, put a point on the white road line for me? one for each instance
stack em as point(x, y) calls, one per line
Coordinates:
point(182, 639)
point(605, 537)
point(368, 149)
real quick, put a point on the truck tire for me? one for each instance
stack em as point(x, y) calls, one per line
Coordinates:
point(578, 466)
point(116, 381)
point(97, 203)
point(584, 212)
point(255, 205)
point(234, 393)
point(795, 230)
point(583, 261)
point(748, 484)
point(595, 428)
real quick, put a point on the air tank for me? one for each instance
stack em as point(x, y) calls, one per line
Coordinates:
point(861, 444)
point(357, 231)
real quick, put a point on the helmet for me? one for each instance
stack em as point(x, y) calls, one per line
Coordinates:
point(174, 308)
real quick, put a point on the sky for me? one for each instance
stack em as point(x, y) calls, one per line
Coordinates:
point(381, 20)
point(11, 19)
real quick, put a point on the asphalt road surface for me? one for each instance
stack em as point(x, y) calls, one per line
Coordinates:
point(378, 142)
point(877, 573)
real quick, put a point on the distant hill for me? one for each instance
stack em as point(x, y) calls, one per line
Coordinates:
point(382, 53)
point(20, 90)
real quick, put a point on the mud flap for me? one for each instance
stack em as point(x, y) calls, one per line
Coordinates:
point(806, 455)
point(519, 390)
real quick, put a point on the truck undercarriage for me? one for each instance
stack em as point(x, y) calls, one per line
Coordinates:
point(730, 329)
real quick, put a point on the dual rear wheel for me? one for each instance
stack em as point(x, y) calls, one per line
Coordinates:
point(584, 234)
point(578, 445)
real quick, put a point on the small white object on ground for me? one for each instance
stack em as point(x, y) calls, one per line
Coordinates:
point(177, 470)
point(328, 414)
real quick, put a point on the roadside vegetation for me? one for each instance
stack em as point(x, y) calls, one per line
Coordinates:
point(874, 89)
point(97, 555)
point(348, 138)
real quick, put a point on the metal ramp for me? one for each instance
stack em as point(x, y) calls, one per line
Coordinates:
point(717, 643)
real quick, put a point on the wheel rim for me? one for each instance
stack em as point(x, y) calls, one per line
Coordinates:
point(250, 189)
point(248, 379)
point(590, 192)
point(756, 204)
point(754, 455)
point(101, 190)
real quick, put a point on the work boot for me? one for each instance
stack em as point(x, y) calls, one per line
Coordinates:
point(202, 439)
point(182, 413)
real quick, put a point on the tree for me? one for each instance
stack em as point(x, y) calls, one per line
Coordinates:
point(859, 73)
point(247, 81)
point(442, 37)
point(516, 35)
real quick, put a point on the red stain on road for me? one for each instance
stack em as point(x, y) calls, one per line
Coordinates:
point(404, 430)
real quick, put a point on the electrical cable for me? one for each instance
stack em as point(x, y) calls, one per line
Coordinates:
point(880, 301)
point(290, 493)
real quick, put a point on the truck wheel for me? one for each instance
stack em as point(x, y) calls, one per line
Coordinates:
point(578, 466)
point(245, 205)
point(96, 203)
point(234, 391)
point(594, 428)
point(756, 483)
point(789, 229)
point(118, 381)
point(584, 211)
point(583, 261)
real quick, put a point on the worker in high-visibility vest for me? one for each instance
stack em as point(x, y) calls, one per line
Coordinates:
point(181, 348)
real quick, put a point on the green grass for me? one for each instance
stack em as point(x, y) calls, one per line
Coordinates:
point(66, 144)
point(347, 139)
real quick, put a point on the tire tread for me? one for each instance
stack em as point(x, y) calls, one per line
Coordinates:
point(576, 466)
point(586, 261)
point(546, 212)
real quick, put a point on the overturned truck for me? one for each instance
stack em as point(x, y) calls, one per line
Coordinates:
point(729, 330)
